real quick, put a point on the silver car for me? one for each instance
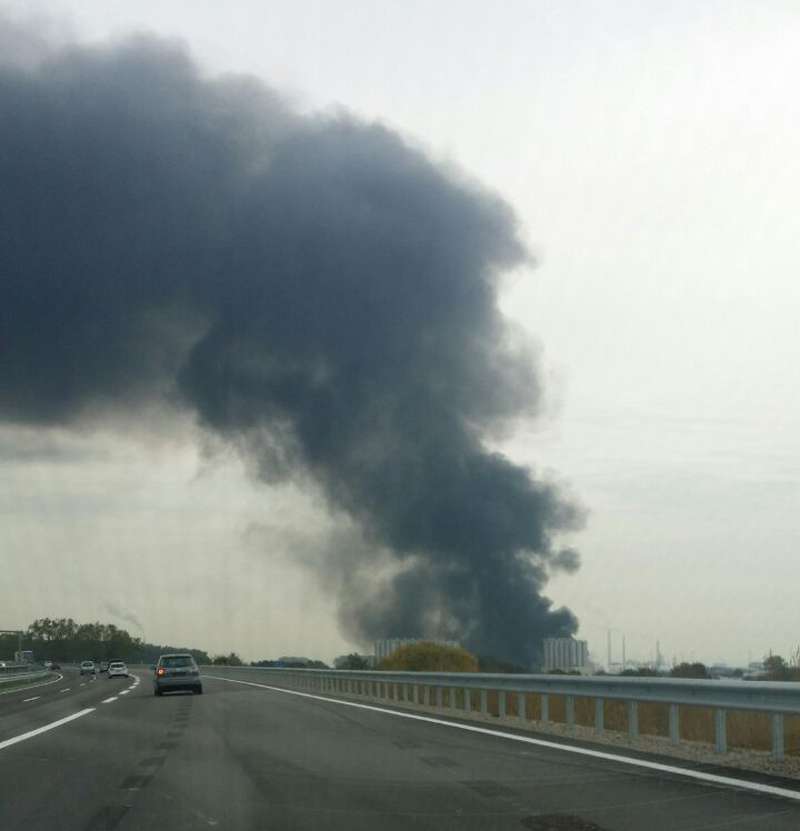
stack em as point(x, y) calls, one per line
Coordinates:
point(177, 672)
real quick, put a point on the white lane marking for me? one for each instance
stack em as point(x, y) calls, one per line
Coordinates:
point(83, 685)
point(109, 700)
point(124, 692)
point(39, 730)
point(26, 700)
point(66, 689)
point(33, 686)
point(713, 778)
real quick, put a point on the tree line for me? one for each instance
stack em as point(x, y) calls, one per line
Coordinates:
point(65, 640)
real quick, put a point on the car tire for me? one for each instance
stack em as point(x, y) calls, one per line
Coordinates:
point(198, 690)
point(156, 692)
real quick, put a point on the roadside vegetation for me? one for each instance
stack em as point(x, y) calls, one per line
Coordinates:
point(430, 657)
point(66, 641)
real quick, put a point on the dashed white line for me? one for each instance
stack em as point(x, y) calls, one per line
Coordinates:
point(124, 692)
point(109, 700)
point(66, 689)
point(711, 778)
point(26, 700)
point(83, 685)
point(39, 730)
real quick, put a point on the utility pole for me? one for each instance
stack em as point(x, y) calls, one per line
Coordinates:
point(608, 665)
point(623, 653)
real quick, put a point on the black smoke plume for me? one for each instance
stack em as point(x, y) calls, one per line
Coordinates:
point(315, 290)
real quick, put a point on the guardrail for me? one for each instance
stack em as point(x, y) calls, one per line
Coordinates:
point(9, 668)
point(24, 676)
point(467, 694)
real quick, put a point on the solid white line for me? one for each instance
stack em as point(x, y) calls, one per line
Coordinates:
point(728, 781)
point(53, 724)
point(33, 686)
point(26, 700)
point(109, 700)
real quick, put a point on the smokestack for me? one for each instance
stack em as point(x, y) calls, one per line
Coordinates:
point(313, 291)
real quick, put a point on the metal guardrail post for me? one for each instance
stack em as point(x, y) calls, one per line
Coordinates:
point(414, 694)
point(521, 707)
point(633, 719)
point(427, 696)
point(467, 700)
point(720, 731)
point(484, 702)
point(599, 714)
point(501, 704)
point(545, 707)
point(778, 740)
point(570, 710)
point(439, 697)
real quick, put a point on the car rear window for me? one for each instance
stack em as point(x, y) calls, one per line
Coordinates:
point(116, 664)
point(177, 661)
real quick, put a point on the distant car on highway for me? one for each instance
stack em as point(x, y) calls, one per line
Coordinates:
point(117, 669)
point(88, 668)
point(177, 671)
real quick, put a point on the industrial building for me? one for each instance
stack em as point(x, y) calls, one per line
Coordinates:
point(566, 654)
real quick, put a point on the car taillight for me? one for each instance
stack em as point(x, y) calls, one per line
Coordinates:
point(161, 671)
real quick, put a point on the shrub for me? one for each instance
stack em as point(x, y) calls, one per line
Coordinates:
point(430, 657)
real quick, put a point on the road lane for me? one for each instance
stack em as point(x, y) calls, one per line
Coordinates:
point(241, 757)
point(28, 709)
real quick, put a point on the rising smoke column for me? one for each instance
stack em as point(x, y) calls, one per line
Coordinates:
point(316, 291)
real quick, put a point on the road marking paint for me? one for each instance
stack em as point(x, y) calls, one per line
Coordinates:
point(83, 685)
point(109, 700)
point(66, 689)
point(39, 730)
point(33, 686)
point(124, 692)
point(26, 700)
point(712, 778)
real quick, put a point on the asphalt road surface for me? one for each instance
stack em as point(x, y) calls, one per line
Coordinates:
point(246, 757)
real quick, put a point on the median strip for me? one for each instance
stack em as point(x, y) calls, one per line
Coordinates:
point(44, 729)
point(710, 778)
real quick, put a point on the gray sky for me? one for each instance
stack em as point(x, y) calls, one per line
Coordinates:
point(650, 151)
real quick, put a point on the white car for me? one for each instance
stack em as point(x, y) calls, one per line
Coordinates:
point(117, 669)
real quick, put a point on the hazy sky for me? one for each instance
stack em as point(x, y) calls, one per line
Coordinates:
point(650, 151)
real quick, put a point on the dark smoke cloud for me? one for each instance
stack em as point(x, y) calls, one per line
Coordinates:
point(317, 292)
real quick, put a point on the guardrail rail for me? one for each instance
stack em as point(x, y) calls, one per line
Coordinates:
point(21, 672)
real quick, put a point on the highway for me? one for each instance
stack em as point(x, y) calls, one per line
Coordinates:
point(110, 755)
